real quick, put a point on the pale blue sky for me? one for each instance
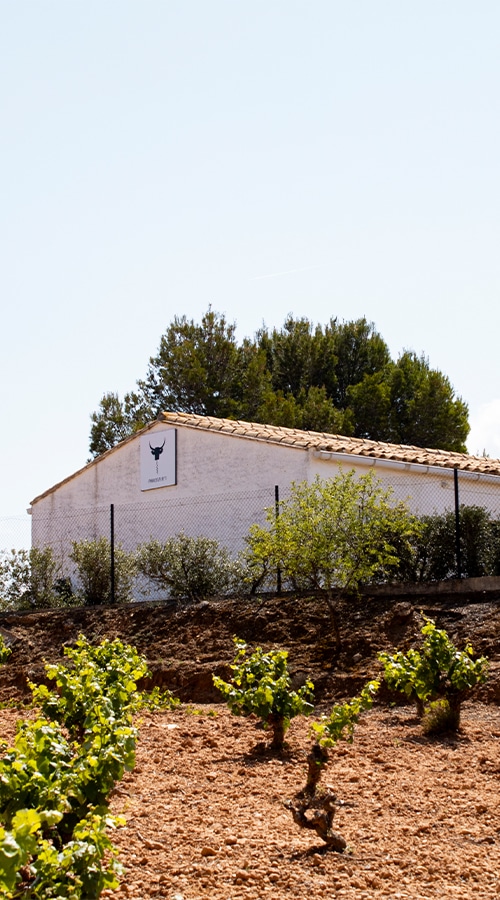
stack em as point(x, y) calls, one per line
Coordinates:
point(160, 156)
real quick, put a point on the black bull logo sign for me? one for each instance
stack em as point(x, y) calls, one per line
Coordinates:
point(157, 451)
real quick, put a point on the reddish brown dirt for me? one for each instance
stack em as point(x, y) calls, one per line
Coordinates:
point(205, 814)
point(205, 804)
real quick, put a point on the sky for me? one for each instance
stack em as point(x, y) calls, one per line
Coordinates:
point(314, 157)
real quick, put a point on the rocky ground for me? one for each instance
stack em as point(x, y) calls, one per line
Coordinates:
point(205, 804)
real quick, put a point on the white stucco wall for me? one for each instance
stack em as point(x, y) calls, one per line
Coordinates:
point(426, 489)
point(223, 485)
point(224, 482)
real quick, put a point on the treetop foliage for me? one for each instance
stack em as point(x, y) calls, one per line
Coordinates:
point(337, 378)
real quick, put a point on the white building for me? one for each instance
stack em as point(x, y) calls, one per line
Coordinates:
point(215, 477)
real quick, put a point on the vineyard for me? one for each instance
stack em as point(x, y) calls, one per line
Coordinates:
point(205, 806)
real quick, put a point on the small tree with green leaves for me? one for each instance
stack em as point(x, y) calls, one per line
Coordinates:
point(436, 672)
point(262, 686)
point(333, 536)
point(189, 568)
point(93, 567)
point(339, 725)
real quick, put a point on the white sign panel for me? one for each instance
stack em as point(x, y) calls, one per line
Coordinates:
point(158, 459)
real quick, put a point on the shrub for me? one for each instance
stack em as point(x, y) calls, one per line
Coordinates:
point(27, 579)
point(262, 686)
point(438, 671)
point(190, 568)
point(44, 571)
point(93, 565)
point(432, 556)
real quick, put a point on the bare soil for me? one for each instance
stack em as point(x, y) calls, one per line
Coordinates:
point(205, 804)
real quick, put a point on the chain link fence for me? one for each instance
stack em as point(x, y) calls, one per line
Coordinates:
point(227, 518)
point(15, 532)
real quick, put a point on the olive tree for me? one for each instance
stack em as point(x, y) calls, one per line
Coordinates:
point(92, 561)
point(29, 579)
point(332, 536)
point(189, 568)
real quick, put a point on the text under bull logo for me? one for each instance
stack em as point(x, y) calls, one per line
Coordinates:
point(157, 451)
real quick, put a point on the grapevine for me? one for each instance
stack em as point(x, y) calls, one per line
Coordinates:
point(438, 671)
point(339, 725)
point(56, 779)
point(262, 686)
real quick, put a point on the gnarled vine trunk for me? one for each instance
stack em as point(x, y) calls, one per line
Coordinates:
point(277, 724)
point(319, 805)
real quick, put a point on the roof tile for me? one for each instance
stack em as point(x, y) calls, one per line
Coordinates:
point(336, 443)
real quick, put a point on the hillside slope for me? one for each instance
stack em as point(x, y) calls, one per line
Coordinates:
point(184, 646)
point(204, 806)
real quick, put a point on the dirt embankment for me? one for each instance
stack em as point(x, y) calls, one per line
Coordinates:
point(185, 646)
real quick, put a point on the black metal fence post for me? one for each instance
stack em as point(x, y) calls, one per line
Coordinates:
point(458, 549)
point(112, 546)
point(277, 513)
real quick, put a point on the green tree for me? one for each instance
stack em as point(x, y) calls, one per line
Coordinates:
point(117, 419)
point(311, 410)
point(409, 403)
point(317, 412)
point(316, 366)
point(199, 368)
point(290, 355)
point(338, 378)
point(369, 404)
point(424, 410)
point(332, 536)
point(358, 350)
point(256, 382)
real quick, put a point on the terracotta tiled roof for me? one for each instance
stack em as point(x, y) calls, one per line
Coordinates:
point(336, 443)
point(308, 440)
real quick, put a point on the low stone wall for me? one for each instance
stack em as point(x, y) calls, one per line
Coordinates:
point(489, 584)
